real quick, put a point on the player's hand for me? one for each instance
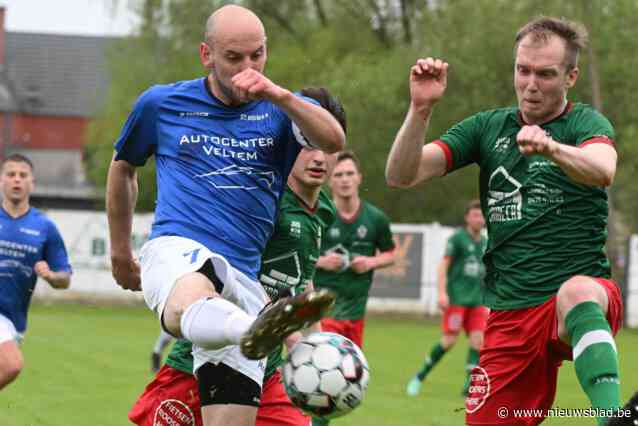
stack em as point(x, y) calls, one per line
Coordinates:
point(428, 80)
point(534, 140)
point(126, 271)
point(42, 270)
point(251, 85)
point(444, 302)
point(332, 262)
point(362, 264)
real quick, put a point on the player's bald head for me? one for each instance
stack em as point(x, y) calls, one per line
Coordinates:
point(234, 23)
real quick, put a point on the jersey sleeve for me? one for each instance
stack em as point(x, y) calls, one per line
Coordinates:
point(385, 242)
point(461, 143)
point(54, 252)
point(138, 138)
point(450, 247)
point(592, 127)
point(295, 133)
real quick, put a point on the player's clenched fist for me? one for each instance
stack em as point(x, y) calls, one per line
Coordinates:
point(126, 272)
point(534, 140)
point(428, 80)
point(42, 269)
point(251, 85)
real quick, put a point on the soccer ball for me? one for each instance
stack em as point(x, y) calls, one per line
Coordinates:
point(326, 375)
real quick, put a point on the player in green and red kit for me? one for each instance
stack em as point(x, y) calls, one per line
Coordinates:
point(358, 242)
point(460, 276)
point(288, 266)
point(544, 167)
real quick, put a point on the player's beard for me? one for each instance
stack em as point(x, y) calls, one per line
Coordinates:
point(228, 92)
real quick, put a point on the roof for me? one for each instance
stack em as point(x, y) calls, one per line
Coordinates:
point(53, 74)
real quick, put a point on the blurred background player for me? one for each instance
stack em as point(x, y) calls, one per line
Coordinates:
point(288, 266)
point(30, 247)
point(224, 146)
point(358, 242)
point(460, 276)
point(544, 169)
point(161, 343)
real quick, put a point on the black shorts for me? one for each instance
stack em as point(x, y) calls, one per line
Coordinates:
point(220, 384)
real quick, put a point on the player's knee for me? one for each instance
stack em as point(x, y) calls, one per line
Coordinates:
point(580, 289)
point(448, 340)
point(187, 290)
point(476, 340)
point(11, 368)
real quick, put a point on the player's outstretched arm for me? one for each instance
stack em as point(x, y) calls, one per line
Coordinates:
point(409, 162)
point(593, 164)
point(121, 196)
point(318, 125)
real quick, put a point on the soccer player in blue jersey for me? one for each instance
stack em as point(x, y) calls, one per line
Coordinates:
point(224, 146)
point(30, 247)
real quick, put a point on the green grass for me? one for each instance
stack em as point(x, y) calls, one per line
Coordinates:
point(85, 365)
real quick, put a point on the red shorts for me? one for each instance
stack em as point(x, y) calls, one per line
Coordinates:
point(276, 408)
point(469, 318)
point(352, 329)
point(172, 398)
point(518, 367)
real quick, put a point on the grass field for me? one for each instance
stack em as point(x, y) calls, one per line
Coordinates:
point(85, 365)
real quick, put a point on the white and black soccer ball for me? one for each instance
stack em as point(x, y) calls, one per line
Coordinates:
point(326, 375)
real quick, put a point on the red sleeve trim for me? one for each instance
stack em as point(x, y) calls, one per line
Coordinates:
point(448, 154)
point(598, 139)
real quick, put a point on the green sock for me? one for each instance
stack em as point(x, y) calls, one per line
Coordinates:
point(435, 356)
point(319, 422)
point(472, 361)
point(595, 357)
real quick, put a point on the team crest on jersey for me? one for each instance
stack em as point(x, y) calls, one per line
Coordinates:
point(334, 233)
point(502, 144)
point(295, 228)
point(362, 231)
point(173, 412)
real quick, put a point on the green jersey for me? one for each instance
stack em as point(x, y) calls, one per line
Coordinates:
point(466, 270)
point(543, 227)
point(368, 232)
point(288, 263)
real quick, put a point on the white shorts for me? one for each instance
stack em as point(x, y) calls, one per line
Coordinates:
point(164, 260)
point(8, 331)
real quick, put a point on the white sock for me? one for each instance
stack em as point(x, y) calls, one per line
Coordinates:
point(162, 342)
point(213, 323)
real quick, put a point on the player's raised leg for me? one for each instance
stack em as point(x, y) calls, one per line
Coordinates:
point(584, 308)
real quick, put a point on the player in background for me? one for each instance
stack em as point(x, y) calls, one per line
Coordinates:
point(161, 343)
point(224, 146)
point(358, 242)
point(288, 266)
point(30, 247)
point(460, 276)
point(544, 166)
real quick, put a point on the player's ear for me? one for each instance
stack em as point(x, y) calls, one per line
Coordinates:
point(572, 76)
point(206, 55)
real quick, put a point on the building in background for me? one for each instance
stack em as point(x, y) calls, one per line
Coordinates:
point(51, 85)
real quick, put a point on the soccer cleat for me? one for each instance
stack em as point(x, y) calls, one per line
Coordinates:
point(414, 387)
point(282, 318)
point(155, 362)
point(630, 408)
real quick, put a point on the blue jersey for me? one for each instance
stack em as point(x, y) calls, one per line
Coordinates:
point(23, 242)
point(220, 170)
